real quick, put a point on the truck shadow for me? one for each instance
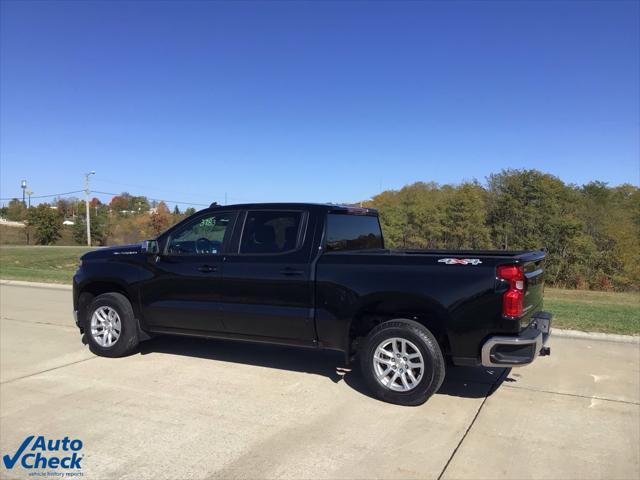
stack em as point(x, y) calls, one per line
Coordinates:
point(473, 382)
point(468, 382)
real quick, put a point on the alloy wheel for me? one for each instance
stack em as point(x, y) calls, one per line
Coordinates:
point(105, 326)
point(398, 364)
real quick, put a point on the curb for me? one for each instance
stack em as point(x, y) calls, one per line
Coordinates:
point(51, 286)
point(600, 337)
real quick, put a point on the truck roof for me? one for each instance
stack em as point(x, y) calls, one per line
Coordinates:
point(330, 207)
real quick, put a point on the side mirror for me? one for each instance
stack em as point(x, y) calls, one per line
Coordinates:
point(151, 247)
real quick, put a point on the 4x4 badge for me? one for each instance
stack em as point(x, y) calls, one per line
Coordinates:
point(460, 261)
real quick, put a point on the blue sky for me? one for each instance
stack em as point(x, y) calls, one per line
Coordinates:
point(313, 101)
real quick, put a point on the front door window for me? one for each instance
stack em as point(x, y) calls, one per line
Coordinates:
point(204, 236)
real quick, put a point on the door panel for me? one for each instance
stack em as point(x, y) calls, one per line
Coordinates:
point(186, 289)
point(268, 289)
point(185, 293)
point(259, 299)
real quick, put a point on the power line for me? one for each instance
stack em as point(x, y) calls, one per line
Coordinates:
point(45, 196)
point(145, 187)
point(137, 187)
point(116, 194)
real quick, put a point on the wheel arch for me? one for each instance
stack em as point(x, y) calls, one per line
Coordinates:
point(88, 291)
point(380, 308)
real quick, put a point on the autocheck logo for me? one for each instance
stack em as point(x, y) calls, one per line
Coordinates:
point(41, 453)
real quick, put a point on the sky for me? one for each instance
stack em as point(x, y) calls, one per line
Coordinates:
point(313, 101)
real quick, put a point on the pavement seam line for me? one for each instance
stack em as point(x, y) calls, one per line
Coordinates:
point(455, 450)
point(493, 387)
point(47, 370)
point(572, 395)
point(38, 323)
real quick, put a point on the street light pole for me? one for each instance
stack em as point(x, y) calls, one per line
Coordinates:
point(86, 202)
point(23, 185)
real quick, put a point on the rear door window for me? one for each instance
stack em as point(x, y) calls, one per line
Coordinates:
point(353, 232)
point(271, 232)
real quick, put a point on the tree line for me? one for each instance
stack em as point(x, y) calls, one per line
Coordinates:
point(590, 233)
point(125, 219)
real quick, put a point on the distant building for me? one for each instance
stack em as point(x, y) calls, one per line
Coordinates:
point(11, 223)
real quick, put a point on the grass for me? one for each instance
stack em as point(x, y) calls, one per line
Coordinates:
point(608, 312)
point(39, 264)
point(11, 235)
point(584, 310)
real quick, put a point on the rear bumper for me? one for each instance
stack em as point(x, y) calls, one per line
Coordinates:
point(520, 350)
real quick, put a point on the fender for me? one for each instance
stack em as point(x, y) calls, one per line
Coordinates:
point(98, 277)
point(420, 307)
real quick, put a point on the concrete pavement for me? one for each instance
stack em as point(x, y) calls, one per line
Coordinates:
point(212, 409)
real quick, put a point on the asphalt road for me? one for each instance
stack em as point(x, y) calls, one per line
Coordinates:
point(192, 408)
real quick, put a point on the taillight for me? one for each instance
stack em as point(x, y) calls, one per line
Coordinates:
point(513, 299)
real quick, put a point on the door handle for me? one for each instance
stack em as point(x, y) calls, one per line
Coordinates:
point(207, 269)
point(291, 272)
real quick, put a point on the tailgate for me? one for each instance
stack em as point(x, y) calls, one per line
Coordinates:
point(534, 274)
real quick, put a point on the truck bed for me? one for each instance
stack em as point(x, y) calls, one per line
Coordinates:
point(467, 291)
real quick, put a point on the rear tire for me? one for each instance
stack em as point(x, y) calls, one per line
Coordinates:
point(110, 326)
point(402, 363)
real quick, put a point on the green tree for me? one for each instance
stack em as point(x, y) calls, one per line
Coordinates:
point(618, 241)
point(464, 219)
point(534, 210)
point(422, 206)
point(45, 222)
point(67, 207)
point(99, 227)
point(16, 211)
point(138, 204)
point(411, 217)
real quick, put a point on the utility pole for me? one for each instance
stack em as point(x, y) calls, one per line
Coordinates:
point(86, 200)
point(29, 193)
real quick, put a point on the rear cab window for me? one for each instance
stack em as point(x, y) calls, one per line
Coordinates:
point(353, 232)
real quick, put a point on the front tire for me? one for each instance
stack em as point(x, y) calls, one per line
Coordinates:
point(110, 326)
point(402, 363)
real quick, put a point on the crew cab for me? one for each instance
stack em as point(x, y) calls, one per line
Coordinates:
point(318, 276)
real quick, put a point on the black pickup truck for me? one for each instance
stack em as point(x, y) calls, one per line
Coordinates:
point(318, 276)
